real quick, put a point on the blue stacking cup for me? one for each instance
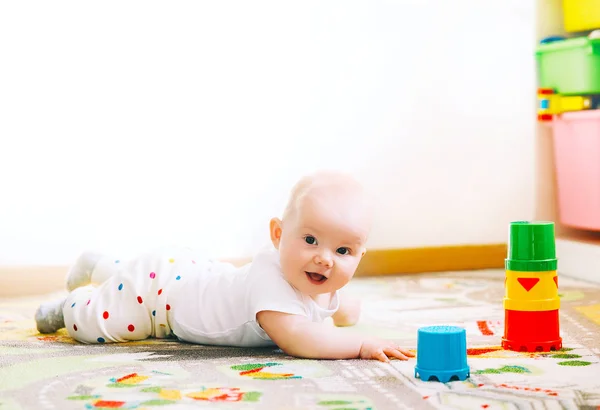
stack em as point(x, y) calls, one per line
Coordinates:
point(442, 354)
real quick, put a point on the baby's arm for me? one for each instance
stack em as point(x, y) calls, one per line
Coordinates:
point(348, 312)
point(297, 336)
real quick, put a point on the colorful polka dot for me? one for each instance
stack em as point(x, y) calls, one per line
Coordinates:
point(194, 262)
point(140, 300)
point(178, 277)
point(75, 328)
point(152, 275)
point(131, 328)
point(88, 302)
point(105, 315)
point(117, 261)
point(171, 260)
point(168, 307)
point(154, 313)
point(73, 305)
point(101, 340)
point(159, 291)
point(121, 286)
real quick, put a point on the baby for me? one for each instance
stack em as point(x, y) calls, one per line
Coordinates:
point(280, 298)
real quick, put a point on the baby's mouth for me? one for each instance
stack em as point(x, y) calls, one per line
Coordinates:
point(315, 278)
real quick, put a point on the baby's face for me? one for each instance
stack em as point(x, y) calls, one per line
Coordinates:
point(322, 244)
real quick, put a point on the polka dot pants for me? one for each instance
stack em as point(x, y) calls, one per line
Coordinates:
point(129, 304)
point(91, 317)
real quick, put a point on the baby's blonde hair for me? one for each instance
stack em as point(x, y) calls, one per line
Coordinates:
point(325, 182)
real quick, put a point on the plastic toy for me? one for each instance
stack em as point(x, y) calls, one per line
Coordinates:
point(531, 302)
point(442, 354)
point(551, 103)
point(552, 39)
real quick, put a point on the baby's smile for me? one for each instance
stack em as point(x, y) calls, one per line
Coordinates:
point(315, 278)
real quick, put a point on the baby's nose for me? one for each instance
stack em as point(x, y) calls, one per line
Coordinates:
point(324, 259)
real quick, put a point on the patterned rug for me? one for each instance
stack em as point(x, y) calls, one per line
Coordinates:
point(53, 372)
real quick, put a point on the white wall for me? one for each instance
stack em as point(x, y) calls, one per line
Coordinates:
point(129, 125)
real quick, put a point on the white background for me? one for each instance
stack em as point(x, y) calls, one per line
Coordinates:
point(129, 125)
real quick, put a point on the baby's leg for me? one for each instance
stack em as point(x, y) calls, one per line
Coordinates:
point(91, 267)
point(112, 312)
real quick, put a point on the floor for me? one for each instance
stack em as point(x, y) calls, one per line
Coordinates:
point(53, 372)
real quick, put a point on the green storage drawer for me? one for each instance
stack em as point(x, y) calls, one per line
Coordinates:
point(571, 66)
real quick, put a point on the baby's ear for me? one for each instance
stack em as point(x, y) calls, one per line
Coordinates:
point(275, 230)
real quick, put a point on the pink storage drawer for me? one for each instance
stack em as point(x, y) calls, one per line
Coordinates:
point(577, 157)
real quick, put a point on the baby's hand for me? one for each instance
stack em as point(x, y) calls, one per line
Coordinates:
point(380, 349)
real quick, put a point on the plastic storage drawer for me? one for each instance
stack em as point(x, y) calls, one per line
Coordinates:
point(581, 15)
point(577, 161)
point(571, 66)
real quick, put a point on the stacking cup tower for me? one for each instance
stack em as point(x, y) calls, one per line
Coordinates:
point(531, 301)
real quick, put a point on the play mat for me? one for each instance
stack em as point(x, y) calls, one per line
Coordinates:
point(52, 372)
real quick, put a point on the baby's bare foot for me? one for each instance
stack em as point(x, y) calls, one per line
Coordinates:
point(49, 316)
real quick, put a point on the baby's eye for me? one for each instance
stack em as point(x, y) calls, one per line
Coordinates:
point(343, 251)
point(311, 240)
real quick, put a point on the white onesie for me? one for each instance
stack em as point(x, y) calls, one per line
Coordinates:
point(180, 293)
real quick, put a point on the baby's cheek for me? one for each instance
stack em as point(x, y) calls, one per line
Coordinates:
point(343, 277)
point(349, 265)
